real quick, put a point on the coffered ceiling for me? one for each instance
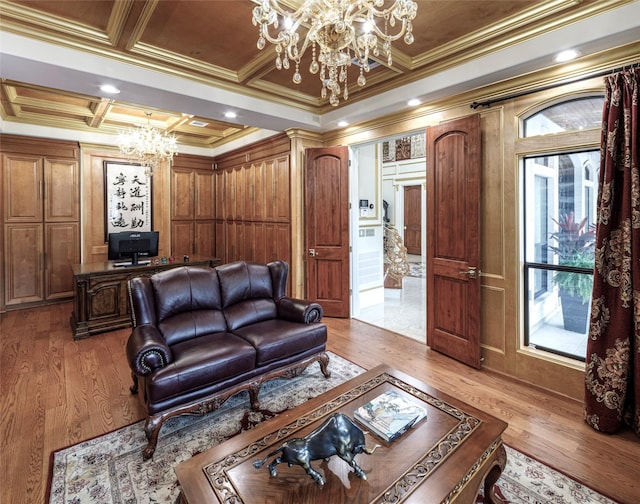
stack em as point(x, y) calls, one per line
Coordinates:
point(205, 54)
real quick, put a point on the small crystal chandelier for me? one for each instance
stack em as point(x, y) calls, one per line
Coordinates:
point(147, 145)
point(341, 31)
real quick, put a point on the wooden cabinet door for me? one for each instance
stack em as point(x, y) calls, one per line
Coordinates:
point(182, 236)
point(23, 255)
point(61, 191)
point(22, 188)
point(278, 194)
point(181, 194)
point(63, 249)
point(220, 192)
point(204, 238)
point(260, 191)
point(249, 192)
point(204, 195)
point(277, 239)
point(220, 240)
point(231, 244)
point(232, 195)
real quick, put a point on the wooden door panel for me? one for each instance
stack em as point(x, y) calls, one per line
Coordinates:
point(204, 239)
point(63, 250)
point(231, 234)
point(453, 247)
point(204, 197)
point(23, 252)
point(327, 229)
point(241, 192)
point(260, 243)
point(181, 194)
point(413, 219)
point(182, 238)
point(330, 282)
point(62, 194)
point(230, 194)
point(260, 189)
point(220, 240)
point(248, 196)
point(280, 190)
point(282, 244)
point(22, 188)
point(246, 238)
point(220, 181)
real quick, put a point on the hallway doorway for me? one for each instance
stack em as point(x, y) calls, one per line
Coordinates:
point(395, 191)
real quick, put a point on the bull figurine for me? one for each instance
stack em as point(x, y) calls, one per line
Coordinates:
point(338, 435)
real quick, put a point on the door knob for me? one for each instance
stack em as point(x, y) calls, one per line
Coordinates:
point(312, 252)
point(471, 272)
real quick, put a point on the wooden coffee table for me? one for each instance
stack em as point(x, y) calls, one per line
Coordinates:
point(445, 458)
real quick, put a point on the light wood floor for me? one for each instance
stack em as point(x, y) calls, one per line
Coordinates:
point(56, 392)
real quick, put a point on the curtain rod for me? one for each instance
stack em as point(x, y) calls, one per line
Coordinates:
point(488, 103)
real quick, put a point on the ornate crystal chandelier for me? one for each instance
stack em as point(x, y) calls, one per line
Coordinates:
point(339, 32)
point(147, 145)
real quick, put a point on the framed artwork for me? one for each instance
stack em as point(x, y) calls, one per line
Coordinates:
point(403, 148)
point(388, 151)
point(418, 146)
point(127, 198)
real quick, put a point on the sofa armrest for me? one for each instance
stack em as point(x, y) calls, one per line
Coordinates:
point(147, 350)
point(299, 310)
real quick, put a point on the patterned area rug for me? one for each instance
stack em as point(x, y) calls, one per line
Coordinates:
point(110, 470)
point(526, 480)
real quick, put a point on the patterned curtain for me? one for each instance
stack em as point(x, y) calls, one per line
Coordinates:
point(612, 380)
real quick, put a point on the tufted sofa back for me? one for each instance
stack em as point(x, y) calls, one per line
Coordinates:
point(189, 301)
point(249, 291)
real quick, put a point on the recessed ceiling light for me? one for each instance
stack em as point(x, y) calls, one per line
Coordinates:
point(230, 115)
point(567, 55)
point(342, 124)
point(413, 102)
point(108, 88)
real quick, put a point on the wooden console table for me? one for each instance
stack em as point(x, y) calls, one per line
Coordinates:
point(100, 297)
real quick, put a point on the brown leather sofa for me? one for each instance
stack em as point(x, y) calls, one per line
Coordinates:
point(204, 334)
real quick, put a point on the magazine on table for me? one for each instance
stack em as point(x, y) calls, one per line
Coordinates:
point(389, 415)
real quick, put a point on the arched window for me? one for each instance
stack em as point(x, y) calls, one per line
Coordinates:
point(576, 114)
point(558, 221)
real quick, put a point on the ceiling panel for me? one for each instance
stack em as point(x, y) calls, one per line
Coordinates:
point(214, 42)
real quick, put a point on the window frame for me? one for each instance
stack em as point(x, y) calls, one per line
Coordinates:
point(540, 146)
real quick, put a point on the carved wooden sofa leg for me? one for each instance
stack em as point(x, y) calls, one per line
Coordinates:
point(152, 430)
point(154, 423)
point(323, 360)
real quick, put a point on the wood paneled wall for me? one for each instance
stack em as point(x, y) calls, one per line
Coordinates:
point(253, 202)
point(94, 247)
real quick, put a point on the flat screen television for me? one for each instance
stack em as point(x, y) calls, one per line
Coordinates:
point(128, 246)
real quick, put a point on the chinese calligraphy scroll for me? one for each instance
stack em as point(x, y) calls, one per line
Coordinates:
point(127, 198)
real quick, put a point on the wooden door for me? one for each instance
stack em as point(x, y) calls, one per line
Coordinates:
point(413, 219)
point(327, 228)
point(453, 247)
